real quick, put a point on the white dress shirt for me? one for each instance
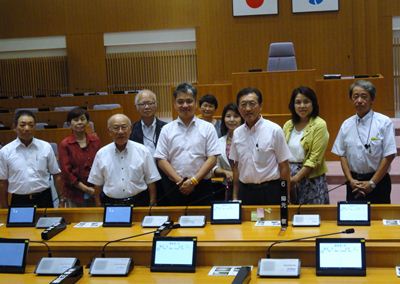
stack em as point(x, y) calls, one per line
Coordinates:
point(123, 173)
point(259, 151)
point(186, 148)
point(353, 136)
point(149, 136)
point(27, 168)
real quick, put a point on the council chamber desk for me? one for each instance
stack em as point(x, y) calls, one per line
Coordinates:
point(243, 244)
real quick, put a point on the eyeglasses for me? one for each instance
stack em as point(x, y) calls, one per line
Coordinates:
point(364, 97)
point(144, 104)
point(116, 128)
point(251, 104)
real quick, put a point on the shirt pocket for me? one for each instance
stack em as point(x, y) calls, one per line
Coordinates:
point(261, 153)
point(136, 174)
point(42, 165)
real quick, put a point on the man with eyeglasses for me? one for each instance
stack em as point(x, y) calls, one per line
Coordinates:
point(260, 154)
point(187, 151)
point(366, 146)
point(147, 130)
point(124, 172)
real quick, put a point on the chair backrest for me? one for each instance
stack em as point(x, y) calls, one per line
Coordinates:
point(32, 109)
point(41, 125)
point(54, 146)
point(281, 57)
point(64, 108)
point(106, 106)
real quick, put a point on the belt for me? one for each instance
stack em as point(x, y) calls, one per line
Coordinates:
point(362, 176)
point(33, 195)
point(260, 184)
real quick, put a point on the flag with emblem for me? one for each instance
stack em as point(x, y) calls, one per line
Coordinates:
point(300, 6)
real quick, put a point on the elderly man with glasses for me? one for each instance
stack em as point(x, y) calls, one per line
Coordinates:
point(147, 130)
point(260, 154)
point(124, 172)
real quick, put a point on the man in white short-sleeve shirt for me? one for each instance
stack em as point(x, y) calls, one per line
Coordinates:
point(123, 170)
point(366, 146)
point(26, 165)
point(186, 152)
point(260, 153)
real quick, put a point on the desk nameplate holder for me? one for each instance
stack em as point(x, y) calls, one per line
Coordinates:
point(154, 221)
point(306, 220)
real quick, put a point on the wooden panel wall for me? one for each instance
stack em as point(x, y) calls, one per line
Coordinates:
point(33, 76)
point(357, 39)
point(163, 68)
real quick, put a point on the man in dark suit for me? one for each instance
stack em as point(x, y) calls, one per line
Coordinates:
point(147, 130)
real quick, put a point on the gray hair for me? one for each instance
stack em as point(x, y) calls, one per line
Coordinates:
point(144, 91)
point(366, 85)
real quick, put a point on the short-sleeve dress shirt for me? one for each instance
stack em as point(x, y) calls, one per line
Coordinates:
point(27, 168)
point(353, 136)
point(76, 162)
point(186, 148)
point(123, 173)
point(258, 151)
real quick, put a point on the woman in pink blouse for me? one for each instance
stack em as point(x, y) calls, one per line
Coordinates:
point(76, 154)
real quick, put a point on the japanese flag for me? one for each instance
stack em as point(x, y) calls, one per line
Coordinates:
point(254, 7)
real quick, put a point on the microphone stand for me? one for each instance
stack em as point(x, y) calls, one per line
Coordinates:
point(287, 267)
point(150, 221)
point(195, 221)
point(309, 220)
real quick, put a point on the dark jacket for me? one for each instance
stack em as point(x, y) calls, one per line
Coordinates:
point(137, 131)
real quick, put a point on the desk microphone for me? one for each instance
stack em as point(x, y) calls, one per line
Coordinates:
point(289, 267)
point(46, 222)
point(309, 220)
point(53, 265)
point(150, 221)
point(194, 221)
point(123, 265)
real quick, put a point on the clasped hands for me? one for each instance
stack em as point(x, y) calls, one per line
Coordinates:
point(360, 188)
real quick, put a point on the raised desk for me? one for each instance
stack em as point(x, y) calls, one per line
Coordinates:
point(142, 275)
point(217, 244)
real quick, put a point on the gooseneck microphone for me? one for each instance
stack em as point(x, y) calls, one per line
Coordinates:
point(163, 230)
point(347, 231)
point(49, 254)
point(150, 221)
point(203, 198)
point(46, 222)
point(318, 195)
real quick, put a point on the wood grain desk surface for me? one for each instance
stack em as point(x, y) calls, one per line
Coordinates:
point(141, 274)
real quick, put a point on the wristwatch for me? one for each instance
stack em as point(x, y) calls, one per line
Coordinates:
point(372, 184)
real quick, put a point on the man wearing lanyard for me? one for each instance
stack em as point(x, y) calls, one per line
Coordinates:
point(124, 172)
point(147, 130)
point(26, 165)
point(260, 153)
point(366, 147)
point(187, 151)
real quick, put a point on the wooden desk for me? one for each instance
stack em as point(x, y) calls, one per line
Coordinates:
point(99, 118)
point(276, 87)
point(142, 275)
point(217, 244)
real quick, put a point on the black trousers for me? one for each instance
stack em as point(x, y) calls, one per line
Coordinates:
point(266, 193)
point(140, 199)
point(41, 199)
point(205, 192)
point(381, 193)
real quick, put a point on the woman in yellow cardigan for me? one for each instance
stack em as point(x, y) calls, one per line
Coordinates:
point(307, 136)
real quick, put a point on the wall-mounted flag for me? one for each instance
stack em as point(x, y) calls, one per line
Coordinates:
point(255, 7)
